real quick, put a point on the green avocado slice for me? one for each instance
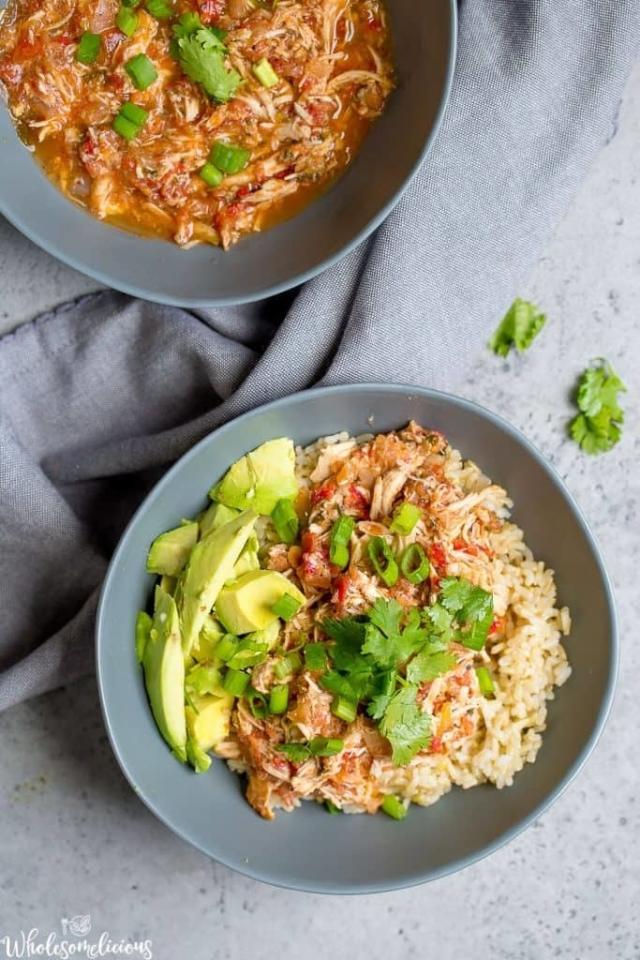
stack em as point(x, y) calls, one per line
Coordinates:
point(170, 551)
point(210, 565)
point(215, 517)
point(259, 479)
point(163, 663)
point(246, 604)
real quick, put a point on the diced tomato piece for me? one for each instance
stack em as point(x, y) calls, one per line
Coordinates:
point(323, 492)
point(65, 39)
point(436, 745)
point(466, 547)
point(497, 626)
point(437, 555)
point(342, 587)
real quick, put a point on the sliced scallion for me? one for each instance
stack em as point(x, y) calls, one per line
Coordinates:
point(285, 520)
point(235, 682)
point(393, 807)
point(405, 518)
point(127, 21)
point(142, 71)
point(344, 708)
point(485, 682)
point(315, 656)
point(265, 74)
point(286, 606)
point(414, 564)
point(279, 698)
point(382, 560)
point(88, 47)
point(325, 747)
point(228, 157)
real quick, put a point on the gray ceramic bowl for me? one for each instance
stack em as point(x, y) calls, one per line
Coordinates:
point(273, 261)
point(309, 850)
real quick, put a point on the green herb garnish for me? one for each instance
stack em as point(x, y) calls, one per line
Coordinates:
point(520, 326)
point(201, 54)
point(597, 428)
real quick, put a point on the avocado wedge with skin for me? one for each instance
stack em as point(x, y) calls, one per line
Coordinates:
point(210, 565)
point(163, 663)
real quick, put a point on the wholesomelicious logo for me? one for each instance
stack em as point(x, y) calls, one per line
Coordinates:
point(75, 940)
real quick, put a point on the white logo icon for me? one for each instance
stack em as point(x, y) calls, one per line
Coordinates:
point(79, 926)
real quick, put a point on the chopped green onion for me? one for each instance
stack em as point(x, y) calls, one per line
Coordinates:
point(235, 682)
point(257, 702)
point(340, 536)
point(414, 564)
point(382, 560)
point(485, 682)
point(124, 127)
point(344, 708)
point(130, 3)
point(288, 665)
point(142, 71)
point(265, 73)
point(279, 698)
point(325, 747)
point(393, 807)
point(134, 114)
point(296, 752)
point(229, 158)
point(248, 653)
point(127, 21)
point(285, 520)
point(286, 606)
point(160, 9)
point(405, 518)
point(315, 656)
point(331, 808)
point(211, 175)
point(88, 48)
point(226, 647)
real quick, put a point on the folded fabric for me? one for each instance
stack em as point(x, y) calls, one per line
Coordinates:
point(98, 397)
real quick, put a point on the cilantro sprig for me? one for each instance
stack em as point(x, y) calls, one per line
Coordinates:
point(519, 327)
point(381, 659)
point(200, 51)
point(597, 428)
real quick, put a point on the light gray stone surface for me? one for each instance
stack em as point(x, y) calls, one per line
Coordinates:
point(74, 839)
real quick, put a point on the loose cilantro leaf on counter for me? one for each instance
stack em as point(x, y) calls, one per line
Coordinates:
point(597, 428)
point(405, 726)
point(201, 55)
point(520, 326)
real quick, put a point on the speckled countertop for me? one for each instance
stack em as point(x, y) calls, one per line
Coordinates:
point(74, 839)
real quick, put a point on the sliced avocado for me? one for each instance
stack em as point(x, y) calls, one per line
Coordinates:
point(170, 551)
point(208, 719)
point(210, 565)
point(259, 479)
point(246, 604)
point(248, 559)
point(215, 517)
point(163, 663)
point(199, 760)
point(143, 629)
point(168, 584)
point(204, 647)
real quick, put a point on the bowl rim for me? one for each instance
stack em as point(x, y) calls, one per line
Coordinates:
point(14, 217)
point(570, 774)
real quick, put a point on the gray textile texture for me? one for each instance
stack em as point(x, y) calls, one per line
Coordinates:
point(99, 397)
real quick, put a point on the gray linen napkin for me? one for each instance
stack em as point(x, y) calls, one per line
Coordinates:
point(98, 397)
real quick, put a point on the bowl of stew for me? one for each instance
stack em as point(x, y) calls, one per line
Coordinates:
point(205, 152)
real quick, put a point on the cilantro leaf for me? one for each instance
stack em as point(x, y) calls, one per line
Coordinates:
point(428, 665)
point(201, 56)
point(386, 616)
point(386, 642)
point(519, 327)
point(597, 428)
point(405, 726)
point(472, 607)
point(346, 652)
point(383, 689)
